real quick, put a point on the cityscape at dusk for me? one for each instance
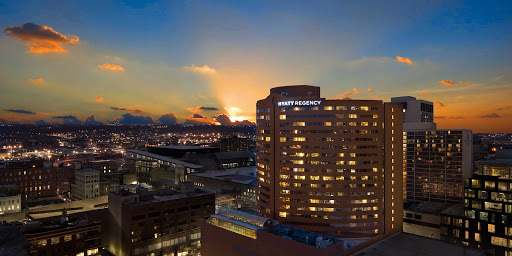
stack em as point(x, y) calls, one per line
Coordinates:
point(262, 128)
point(108, 61)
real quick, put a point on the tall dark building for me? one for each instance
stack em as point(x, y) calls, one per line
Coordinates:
point(231, 144)
point(485, 219)
point(329, 166)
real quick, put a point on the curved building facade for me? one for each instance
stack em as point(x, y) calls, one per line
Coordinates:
point(329, 166)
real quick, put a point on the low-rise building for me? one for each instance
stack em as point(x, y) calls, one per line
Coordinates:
point(77, 237)
point(87, 184)
point(10, 203)
point(158, 222)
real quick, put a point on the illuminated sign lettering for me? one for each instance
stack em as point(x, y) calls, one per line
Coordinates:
point(299, 103)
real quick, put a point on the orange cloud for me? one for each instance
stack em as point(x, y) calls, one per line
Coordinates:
point(111, 67)
point(40, 39)
point(404, 60)
point(425, 94)
point(99, 99)
point(447, 83)
point(36, 81)
point(439, 103)
point(203, 69)
point(347, 93)
point(356, 91)
point(375, 98)
point(370, 90)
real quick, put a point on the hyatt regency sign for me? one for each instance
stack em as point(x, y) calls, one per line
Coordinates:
point(299, 103)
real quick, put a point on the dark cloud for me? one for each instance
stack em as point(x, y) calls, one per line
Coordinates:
point(40, 39)
point(128, 110)
point(131, 119)
point(41, 122)
point(168, 119)
point(92, 121)
point(223, 119)
point(208, 108)
point(197, 116)
point(68, 119)
point(493, 115)
point(20, 111)
point(505, 108)
point(449, 117)
point(194, 122)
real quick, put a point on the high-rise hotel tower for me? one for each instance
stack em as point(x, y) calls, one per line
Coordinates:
point(331, 166)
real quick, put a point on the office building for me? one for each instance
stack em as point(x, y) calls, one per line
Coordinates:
point(87, 184)
point(10, 203)
point(485, 219)
point(436, 163)
point(180, 151)
point(159, 222)
point(329, 166)
point(233, 144)
point(35, 178)
point(143, 162)
point(62, 236)
point(418, 114)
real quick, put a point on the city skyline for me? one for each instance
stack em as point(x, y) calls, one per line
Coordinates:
point(201, 62)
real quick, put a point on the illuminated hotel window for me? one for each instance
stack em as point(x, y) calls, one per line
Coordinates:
point(282, 139)
point(375, 116)
point(327, 123)
point(282, 214)
point(491, 228)
point(364, 123)
point(341, 108)
point(328, 108)
point(282, 117)
point(299, 138)
point(314, 177)
point(364, 108)
point(352, 116)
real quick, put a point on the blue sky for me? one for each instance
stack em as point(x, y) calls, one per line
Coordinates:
point(178, 55)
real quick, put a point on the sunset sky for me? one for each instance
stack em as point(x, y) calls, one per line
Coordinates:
point(99, 61)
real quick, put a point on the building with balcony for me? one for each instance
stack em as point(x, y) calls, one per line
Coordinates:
point(485, 219)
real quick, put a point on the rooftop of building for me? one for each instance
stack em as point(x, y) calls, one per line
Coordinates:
point(145, 196)
point(431, 208)
point(234, 155)
point(88, 170)
point(41, 226)
point(183, 147)
point(403, 244)
point(12, 241)
point(164, 158)
point(301, 235)
point(254, 222)
point(9, 195)
point(503, 157)
point(455, 210)
point(243, 175)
